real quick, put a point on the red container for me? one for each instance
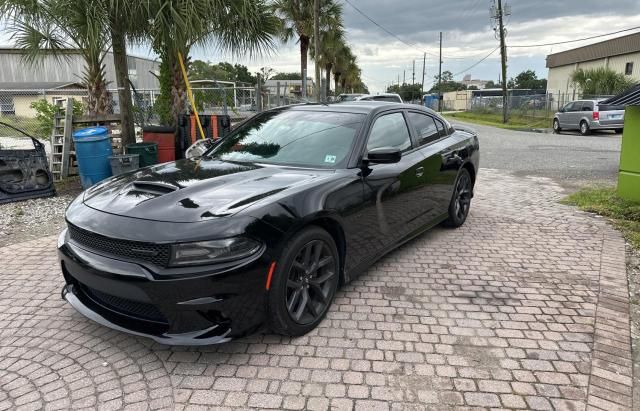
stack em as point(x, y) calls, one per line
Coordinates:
point(166, 139)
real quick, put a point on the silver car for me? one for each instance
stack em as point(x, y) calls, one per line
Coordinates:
point(589, 115)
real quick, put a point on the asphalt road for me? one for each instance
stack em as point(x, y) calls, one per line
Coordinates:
point(570, 159)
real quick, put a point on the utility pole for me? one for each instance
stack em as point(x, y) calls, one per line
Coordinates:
point(413, 78)
point(424, 71)
point(404, 77)
point(316, 44)
point(440, 77)
point(498, 14)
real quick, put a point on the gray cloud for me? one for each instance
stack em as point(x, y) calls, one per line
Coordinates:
point(421, 20)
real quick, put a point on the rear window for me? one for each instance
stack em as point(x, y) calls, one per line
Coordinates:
point(610, 107)
point(390, 99)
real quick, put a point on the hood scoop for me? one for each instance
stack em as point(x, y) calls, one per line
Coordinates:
point(155, 187)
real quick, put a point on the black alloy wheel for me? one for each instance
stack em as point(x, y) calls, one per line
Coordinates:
point(461, 200)
point(305, 282)
point(310, 282)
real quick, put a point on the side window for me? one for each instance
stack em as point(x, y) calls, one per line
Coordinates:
point(389, 131)
point(425, 128)
point(441, 128)
point(587, 106)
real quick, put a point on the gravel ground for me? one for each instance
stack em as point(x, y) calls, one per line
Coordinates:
point(30, 219)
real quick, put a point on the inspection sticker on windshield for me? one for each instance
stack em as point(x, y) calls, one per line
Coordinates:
point(329, 159)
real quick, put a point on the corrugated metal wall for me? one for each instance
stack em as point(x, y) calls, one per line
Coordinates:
point(13, 69)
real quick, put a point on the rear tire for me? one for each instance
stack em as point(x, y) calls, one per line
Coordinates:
point(556, 126)
point(461, 200)
point(619, 130)
point(584, 128)
point(305, 282)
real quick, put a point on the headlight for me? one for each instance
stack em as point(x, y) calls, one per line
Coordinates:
point(215, 251)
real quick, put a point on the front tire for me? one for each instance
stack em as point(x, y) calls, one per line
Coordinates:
point(461, 200)
point(556, 126)
point(305, 282)
point(584, 128)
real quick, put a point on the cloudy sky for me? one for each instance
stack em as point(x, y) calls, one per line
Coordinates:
point(468, 35)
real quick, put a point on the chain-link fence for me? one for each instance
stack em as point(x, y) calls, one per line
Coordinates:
point(34, 110)
point(536, 109)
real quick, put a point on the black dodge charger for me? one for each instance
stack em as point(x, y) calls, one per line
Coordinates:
point(264, 226)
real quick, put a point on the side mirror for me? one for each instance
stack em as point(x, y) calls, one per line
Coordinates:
point(383, 155)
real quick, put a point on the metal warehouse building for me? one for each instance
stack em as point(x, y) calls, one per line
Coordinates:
point(621, 54)
point(55, 78)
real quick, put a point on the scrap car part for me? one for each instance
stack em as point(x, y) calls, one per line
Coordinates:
point(24, 173)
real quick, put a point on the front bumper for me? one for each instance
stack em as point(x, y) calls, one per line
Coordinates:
point(212, 307)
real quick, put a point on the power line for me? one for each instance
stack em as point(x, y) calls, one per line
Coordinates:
point(575, 41)
point(412, 45)
point(478, 62)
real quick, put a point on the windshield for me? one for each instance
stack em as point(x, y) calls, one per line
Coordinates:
point(349, 97)
point(294, 137)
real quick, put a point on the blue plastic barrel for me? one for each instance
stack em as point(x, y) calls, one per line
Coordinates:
point(93, 149)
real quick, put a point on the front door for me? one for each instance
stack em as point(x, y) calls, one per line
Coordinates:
point(391, 191)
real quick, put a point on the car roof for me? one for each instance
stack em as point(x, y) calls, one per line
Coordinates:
point(361, 107)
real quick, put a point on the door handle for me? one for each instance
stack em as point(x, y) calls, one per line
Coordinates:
point(419, 171)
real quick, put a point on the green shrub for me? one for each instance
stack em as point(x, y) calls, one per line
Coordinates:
point(46, 112)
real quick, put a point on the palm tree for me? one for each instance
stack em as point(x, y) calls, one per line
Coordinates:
point(296, 18)
point(331, 44)
point(600, 81)
point(52, 27)
point(175, 26)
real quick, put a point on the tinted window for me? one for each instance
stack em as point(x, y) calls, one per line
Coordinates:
point(390, 99)
point(306, 138)
point(389, 131)
point(441, 128)
point(586, 105)
point(425, 128)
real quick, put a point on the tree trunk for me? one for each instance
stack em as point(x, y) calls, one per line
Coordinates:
point(98, 99)
point(304, 49)
point(328, 78)
point(336, 80)
point(119, 47)
point(178, 91)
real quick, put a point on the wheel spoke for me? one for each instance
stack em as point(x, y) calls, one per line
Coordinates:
point(317, 253)
point(298, 265)
point(322, 279)
point(306, 259)
point(325, 261)
point(293, 300)
point(318, 292)
point(293, 284)
point(303, 303)
point(309, 303)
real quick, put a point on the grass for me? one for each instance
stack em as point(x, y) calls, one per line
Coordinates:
point(604, 201)
point(516, 121)
point(30, 125)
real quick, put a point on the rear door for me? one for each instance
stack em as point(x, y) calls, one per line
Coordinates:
point(439, 165)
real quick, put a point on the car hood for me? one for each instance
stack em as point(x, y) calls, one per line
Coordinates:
point(194, 190)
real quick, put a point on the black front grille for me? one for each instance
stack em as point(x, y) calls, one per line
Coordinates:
point(157, 254)
point(124, 306)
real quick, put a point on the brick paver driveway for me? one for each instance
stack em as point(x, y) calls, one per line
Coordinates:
point(526, 306)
